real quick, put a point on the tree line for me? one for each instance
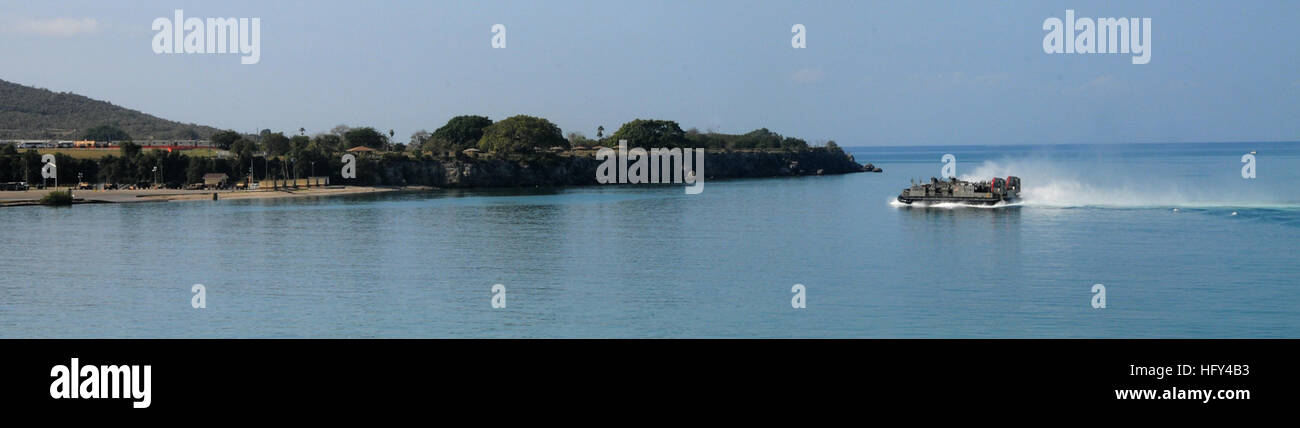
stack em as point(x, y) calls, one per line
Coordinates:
point(275, 155)
point(516, 134)
point(527, 133)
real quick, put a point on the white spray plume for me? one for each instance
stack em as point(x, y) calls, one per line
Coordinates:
point(1052, 184)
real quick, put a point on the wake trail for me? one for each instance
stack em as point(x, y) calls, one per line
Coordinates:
point(1052, 184)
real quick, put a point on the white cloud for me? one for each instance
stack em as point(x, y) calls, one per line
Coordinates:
point(807, 75)
point(58, 27)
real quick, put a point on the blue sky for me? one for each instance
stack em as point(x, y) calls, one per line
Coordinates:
point(873, 73)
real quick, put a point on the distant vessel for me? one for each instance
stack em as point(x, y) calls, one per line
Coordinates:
point(965, 192)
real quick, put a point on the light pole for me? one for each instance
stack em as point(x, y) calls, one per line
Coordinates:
point(313, 173)
point(155, 177)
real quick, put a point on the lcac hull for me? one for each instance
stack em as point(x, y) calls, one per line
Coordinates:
point(958, 200)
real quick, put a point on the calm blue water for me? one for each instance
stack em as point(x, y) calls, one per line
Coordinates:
point(653, 262)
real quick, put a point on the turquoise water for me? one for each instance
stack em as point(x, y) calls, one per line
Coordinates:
point(629, 261)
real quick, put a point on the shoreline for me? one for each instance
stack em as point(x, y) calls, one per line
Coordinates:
point(32, 197)
point(539, 170)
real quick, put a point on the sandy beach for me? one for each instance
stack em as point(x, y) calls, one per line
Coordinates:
point(30, 197)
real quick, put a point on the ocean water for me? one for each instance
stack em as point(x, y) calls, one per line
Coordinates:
point(1184, 246)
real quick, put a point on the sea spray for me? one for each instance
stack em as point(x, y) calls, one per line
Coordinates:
point(1049, 183)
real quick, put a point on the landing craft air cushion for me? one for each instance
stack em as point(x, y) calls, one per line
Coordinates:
point(964, 192)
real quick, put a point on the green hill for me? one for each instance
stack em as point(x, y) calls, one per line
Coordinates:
point(34, 113)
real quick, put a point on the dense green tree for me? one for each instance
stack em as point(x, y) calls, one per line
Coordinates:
point(460, 133)
point(195, 170)
point(130, 150)
point(328, 143)
point(276, 143)
point(763, 139)
point(298, 142)
point(757, 138)
point(224, 139)
point(171, 167)
point(366, 136)
point(791, 143)
point(304, 153)
point(650, 133)
point(9, 169)
point(31, 163)
point(830, 145)
point(244, 147)
point(112, 169)
point(69, 167)
point(106, 133)
point(521, 134)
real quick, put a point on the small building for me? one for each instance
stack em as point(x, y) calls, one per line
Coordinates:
point(214, 179)
point(362, 149)
point(471, 152)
